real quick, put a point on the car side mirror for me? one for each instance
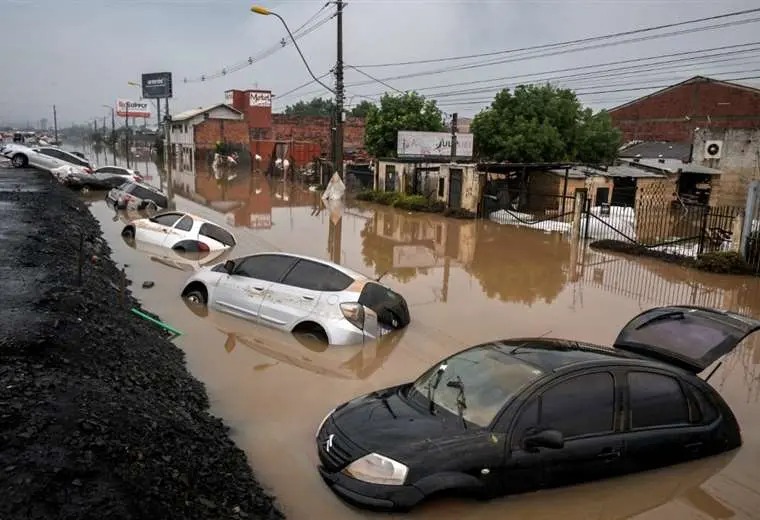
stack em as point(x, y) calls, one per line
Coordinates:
point(229, 266)
point(551, 439)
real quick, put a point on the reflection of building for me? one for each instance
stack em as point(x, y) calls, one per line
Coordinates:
point(198, 130)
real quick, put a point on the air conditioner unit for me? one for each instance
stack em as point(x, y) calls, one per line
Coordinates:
point(713, 149)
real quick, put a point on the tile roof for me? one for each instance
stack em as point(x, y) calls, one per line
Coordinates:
point(655, 149)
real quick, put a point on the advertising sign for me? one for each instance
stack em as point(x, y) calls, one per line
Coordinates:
point(157, 85)
point(261, 99)
point(125, 107)
point(432, 144)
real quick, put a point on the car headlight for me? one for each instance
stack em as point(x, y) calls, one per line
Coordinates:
point(322, 422)
point(378, 469)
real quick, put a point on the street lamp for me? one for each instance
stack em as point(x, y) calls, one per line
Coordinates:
point(338, 91)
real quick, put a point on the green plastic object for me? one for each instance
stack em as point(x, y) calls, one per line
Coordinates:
point(161, 324)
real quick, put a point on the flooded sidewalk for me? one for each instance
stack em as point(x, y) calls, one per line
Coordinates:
point(466, 282)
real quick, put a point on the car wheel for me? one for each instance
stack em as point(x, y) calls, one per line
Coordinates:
point(85, 190)
point(150, 206)
point(128, 232)
point(19, 160)
point(196, 296)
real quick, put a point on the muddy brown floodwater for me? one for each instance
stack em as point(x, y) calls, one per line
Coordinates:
point(466, 282)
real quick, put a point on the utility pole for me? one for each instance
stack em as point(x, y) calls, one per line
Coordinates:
point(169, 158)
point(126, 132)
point(339, 93)
point(55, 124)
point(454, 119)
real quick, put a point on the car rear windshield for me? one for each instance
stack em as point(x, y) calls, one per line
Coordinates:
point(217, 233)
point(475, 384)
point(146, 194)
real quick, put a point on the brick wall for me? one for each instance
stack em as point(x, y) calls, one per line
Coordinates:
point(317, 129)
point(210, 131)
point(739, 162)
point(673, 114)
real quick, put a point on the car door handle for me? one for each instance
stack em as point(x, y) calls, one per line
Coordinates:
point(609, 454)
point(694, 446)
point(258, 289)
point(308, 298)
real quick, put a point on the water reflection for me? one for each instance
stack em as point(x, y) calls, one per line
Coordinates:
point(611, 499)
point(181, 260)
point(339, 362)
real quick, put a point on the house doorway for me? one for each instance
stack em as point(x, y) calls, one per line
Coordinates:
point(455, 188)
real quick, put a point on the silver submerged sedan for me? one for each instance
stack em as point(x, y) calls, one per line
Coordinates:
point(302, 295)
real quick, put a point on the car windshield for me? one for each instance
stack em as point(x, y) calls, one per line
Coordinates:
point(475, 384)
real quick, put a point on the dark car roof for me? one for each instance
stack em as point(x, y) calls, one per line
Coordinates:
point(553, 354)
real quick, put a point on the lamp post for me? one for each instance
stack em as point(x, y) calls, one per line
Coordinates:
point(338, 91)
point(113, 128)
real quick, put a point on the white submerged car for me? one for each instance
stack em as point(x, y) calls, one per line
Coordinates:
point(45, 158)
point(179, 231)
point(302, 295)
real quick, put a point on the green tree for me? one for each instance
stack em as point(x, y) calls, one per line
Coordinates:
point(543, 124)
point(315, 107)
point(409, 111)
point(362, 109)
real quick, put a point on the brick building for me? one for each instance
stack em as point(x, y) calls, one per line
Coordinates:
point(194, 133)
point(673, 113)
point(298, 139)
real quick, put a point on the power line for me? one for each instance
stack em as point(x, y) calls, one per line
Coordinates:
point(608, 73)
point(299, 33)
point(373, 78)
point(555, 53)
point(631, 63)
point(565, 43)
point(582, 93)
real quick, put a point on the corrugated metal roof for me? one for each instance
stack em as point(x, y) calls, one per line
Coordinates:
point(663, 165)
point(625, 170)
point(654, 149)
point(698, 168)
point(189, 114)
point(572, 173)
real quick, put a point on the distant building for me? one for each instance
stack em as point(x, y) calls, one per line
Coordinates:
point(194, 133)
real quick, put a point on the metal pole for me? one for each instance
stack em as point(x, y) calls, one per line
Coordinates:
point(339, 93)
point(158, 113)
point(126, 133)
point(454, 120)
point(169, 185)
point(55, 124)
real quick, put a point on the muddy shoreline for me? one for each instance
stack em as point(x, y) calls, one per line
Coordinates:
point(99, 416)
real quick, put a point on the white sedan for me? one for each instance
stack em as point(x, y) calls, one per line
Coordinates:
point(180, 231)
point(45, 158)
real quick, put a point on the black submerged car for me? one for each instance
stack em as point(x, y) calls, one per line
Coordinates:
point(522, 414)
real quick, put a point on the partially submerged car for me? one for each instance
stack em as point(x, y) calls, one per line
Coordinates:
point(136, 195)
point(522, 414)
point(302, 295)
point(45, 158)
point(176, 259)
point(105, 178)
point(180, 231)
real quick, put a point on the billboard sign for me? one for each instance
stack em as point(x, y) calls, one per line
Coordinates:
point(432, 144)
point(125, 107)
point(157, 85)
point(261, 99)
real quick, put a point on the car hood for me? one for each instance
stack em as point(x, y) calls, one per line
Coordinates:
point(386, 422)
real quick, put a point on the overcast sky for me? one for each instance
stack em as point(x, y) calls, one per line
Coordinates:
point(80, 54)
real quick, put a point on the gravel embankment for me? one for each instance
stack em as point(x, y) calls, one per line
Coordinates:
point(99, 417)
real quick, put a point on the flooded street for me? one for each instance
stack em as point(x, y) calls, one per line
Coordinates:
point(465, 282)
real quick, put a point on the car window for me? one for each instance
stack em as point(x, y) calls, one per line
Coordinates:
point(46, 151)
point(705, 411)
point(655, 400)
point(216, 233)
point(528, 419)
point(317, 277)
point(265, 267)
point(185, 224)
point(167, 219)
point(584, 405)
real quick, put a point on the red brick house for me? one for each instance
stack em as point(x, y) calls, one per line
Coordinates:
point(673, 113)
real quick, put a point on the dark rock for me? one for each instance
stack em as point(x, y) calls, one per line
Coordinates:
point(99, 417)
point(148, 284)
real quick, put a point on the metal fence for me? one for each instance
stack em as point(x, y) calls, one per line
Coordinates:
point(548, 212)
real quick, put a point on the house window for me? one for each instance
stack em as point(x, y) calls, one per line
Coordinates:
point(441, 182)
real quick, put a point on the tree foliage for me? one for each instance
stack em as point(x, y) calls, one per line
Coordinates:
point(362, 109)
point(409, 111)
point(315, 107)
point(543, 124)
